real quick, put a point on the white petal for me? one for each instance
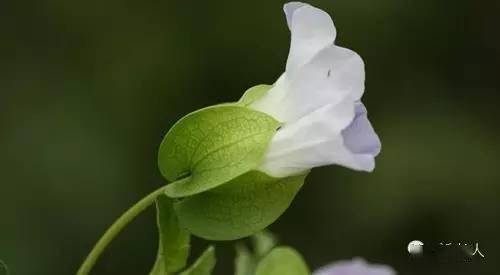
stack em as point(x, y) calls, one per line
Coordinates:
point(311, 29)
point(355, 267)
point(334, 74)
point(289, 9)
point(272, 102)
point(314, 140)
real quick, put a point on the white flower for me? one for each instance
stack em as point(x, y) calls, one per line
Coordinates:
point(318, 101)
point(354, 267)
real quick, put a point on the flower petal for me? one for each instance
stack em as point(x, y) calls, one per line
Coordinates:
point(318, 101)
point(311, 29)
point(289, 8)
point(359, 136)
point(314, 140)
point(355, 267)
point(334, 74)
point(272, 102)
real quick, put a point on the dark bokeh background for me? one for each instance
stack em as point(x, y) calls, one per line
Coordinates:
point(88, 89)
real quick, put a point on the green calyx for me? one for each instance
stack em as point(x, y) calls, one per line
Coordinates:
point(238, 208)
point(212, 156)
point(253, 94)
point(212, 146)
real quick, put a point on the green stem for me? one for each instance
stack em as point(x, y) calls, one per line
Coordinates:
point(115, 228)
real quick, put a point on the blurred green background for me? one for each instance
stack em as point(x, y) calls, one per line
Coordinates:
point(89, 88)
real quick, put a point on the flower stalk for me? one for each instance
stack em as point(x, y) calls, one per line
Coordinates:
point(116, 228)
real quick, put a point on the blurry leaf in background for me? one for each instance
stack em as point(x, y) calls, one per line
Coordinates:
point(263, 242)
point(4, 268)
point(174, 241)
point(282, 260)
point(246, 261)
point(203, 265)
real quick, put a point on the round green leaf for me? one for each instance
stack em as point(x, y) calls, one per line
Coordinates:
point(238, 208)
point(212, 146)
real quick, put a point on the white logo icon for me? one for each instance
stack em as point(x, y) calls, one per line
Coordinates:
point(415, 247)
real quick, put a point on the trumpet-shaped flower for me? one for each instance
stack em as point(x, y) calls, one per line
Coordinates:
point(355, 267)
point(239, 165)
point(318, 101)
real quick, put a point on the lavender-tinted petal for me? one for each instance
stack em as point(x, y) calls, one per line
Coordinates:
point(359, 136)
point(355, 267)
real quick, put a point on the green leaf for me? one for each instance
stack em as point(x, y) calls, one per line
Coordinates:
point(238, 208)
point(212, 146)
point(245, 262)
point(263, 242)
point(173, 248)
point(282, 260)
point(253, 94)
point(203, 265)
